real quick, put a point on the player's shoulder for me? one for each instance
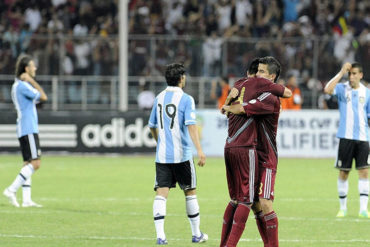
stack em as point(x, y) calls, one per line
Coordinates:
point(239, 83)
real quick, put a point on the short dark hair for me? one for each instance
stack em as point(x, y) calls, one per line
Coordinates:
point(173, 73)
point(273, 66)
point(357, 65)
point(253, 66)
point(22, 63)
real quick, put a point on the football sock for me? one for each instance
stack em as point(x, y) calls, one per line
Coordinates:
point(159, 212)
point(240, 218)
point(26, 190)
point(272, 229)
point(261, 225)
point(192, 210)
point(227, 222)
point(342, 192)
point(24, 174)
point(363, 188)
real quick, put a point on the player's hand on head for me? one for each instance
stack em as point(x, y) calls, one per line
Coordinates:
point(202, 159)
point(346, 67)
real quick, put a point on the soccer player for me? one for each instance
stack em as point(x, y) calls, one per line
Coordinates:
point(265, 109)
point(26, 93)
point(240, 153)
point(173, 125)
point(354, 113)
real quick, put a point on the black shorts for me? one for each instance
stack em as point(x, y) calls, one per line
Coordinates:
point(349, 150)
point(168, 174)
point(30, 147)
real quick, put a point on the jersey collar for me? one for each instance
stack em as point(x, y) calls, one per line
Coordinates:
point(174, 89)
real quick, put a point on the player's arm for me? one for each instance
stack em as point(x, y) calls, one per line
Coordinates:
point(153, 121)
point(154, 132)
point(190, 122)
point(330, 86)
point(287, 93)
point(33, 82)
point(264, 104)
point(232, 95)
point(193, 131)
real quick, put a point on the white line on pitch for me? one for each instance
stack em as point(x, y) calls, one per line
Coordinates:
point(177, 239)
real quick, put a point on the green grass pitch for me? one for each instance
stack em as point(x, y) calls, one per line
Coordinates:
point(107, 201)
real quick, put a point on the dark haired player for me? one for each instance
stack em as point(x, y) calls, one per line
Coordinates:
point(240, 149)
point(173, 125)
point(26, 93)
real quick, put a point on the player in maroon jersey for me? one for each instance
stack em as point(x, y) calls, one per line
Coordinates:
point(265, 110)
point(240, 155)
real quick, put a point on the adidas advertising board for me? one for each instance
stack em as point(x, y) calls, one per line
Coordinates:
point(83, 132)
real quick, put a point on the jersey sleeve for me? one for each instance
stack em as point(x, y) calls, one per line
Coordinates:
point(339, 89)
point(190, 116)
point(265, 85)
point(264, 104)
point(30, 92)
point(153, 121)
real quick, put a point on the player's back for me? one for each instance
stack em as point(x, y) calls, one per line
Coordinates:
point(173, 110)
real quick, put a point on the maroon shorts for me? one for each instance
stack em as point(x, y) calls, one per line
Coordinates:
point(266, 179)
point(241, 169)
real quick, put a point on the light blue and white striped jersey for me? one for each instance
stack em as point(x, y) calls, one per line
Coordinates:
point(25, 98)
point(354, 109)
point(172, 111)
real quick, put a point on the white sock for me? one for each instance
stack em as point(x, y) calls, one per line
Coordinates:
point(26, 190)
point(192, 209)
point(363, 188)
point(25, 173)
point(159, 212)
point(342, 192)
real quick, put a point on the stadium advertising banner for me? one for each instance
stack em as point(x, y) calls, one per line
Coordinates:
point(84, 132)
point(305, 133)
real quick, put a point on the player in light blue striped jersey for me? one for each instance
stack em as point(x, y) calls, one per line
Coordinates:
point(173, 125)
point(26, 93)
point(353, 133)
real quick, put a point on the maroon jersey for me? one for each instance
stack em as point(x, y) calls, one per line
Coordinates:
point(266, 110)
point(242, 128)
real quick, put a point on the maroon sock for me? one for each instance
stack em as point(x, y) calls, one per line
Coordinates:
point(272, 229)
point(228, 222)
point(261, 225)
point(240, 218)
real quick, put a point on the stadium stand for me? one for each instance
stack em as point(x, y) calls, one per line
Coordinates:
point(212, 37)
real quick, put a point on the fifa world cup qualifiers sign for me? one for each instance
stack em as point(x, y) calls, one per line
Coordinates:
point(305, 133)
point(308, 134)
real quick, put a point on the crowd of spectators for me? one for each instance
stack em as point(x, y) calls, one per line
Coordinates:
point(311, 38)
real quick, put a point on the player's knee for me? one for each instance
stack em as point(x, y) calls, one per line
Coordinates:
point(36, 164)
point(266, 206)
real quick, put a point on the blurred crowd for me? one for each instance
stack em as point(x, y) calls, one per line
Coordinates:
point(311, 38)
